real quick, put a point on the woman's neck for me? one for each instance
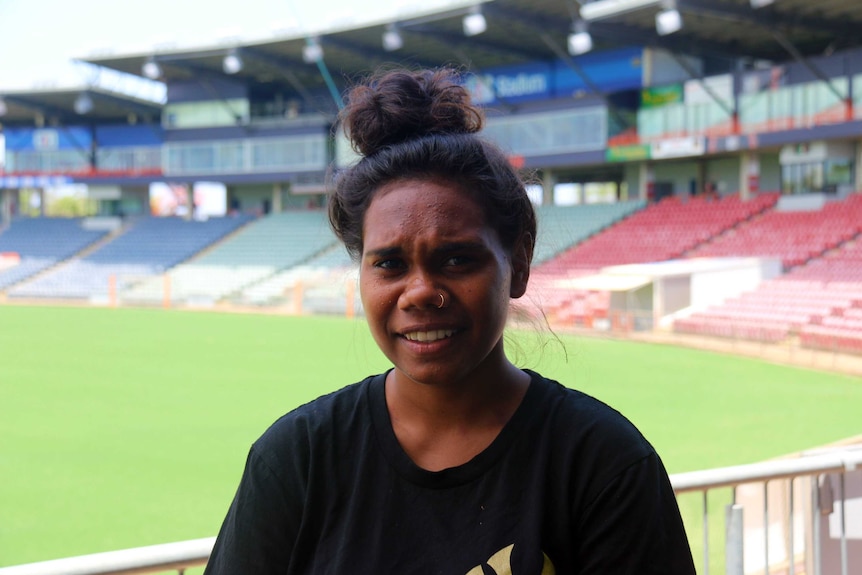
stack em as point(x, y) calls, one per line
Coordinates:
point(445, 425)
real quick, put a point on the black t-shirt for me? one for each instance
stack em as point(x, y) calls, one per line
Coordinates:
point(568, 486)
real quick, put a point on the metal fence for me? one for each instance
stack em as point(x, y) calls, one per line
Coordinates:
point(784, 517)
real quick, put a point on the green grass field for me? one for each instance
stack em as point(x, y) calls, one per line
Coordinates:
point(125, 427)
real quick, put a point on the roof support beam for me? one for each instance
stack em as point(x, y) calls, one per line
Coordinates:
point(330, 84)
point(808, 64)
point(768, 18)
point(284, 67)
point(45, 110)
point(136, 108)
point(63, 118)
point(461, 42)
point(729, 108)
point(206, 78)
point(613, 31)
point(571, 63)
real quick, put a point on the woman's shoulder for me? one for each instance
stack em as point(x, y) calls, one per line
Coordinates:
point(324, 416)
point(580, 432)
point(586, 421)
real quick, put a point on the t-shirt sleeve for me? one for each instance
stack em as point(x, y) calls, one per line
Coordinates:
point(634, 526)
point(255, 538)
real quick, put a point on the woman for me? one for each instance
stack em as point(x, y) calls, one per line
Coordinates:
point(454, 461)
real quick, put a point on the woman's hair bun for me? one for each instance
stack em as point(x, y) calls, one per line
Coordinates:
point(394, 106)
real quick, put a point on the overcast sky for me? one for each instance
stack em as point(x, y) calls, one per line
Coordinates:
point(39, 38)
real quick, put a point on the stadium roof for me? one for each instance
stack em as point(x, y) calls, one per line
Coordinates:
point(520, 31)
point(74, 105)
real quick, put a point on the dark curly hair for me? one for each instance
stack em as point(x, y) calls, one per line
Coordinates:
point(422, 125)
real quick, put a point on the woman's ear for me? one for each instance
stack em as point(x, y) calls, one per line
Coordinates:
point(522, 257)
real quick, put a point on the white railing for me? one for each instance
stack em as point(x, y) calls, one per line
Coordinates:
point(821, 468)
point(782, 531)
point(153, 559)
point(291, 153)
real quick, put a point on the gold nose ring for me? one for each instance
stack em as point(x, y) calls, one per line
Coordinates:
point(442, 301)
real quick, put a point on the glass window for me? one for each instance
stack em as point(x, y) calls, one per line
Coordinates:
point(839, 172)
point(812, 178)
point(816, 177)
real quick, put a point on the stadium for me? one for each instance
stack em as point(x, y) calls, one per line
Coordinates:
point(697, 171)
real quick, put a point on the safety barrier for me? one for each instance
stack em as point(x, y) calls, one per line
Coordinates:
point(803, 506)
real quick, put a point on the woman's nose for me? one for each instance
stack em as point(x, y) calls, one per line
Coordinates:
point(420, 292)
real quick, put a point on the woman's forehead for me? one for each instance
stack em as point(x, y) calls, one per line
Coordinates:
point(419, 207)
point(425, 199)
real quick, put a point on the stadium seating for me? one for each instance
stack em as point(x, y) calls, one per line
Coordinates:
point(754, 330)
point(840, 275)
point(257, 252)
point(561, 227)
point(146, 247)
point(277, 240)
point(328, 266)
point(793, 236)
point(837, 267)
point(42, 243)
point(270, 260)
point(663, 231)
point(659, 232)
point(564, 306)
point(781, 308)
point(818, 300)
point(194, 284)
point(162, 243)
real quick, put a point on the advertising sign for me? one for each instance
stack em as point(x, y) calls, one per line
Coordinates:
point(47, 139)
point(518, 84)
point(678, 148)
point(632, 153)
point(656, 96)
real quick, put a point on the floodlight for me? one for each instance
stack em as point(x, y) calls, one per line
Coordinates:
point(312, 52)
point(580, 41)
point(601, 9)
point(83, 103)
point(4, 109)
point(392, 39)
point(151, 69)
point(232, 63)
point(668, 21)
point(761, 3)
point(474, 22)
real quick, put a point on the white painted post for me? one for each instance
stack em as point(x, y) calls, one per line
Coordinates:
point(733, 540)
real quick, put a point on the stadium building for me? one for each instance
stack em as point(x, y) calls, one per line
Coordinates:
point(673, 132)
point(697, 166)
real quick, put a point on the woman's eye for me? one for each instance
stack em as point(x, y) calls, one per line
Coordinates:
point(457, 261)
point(388, 264)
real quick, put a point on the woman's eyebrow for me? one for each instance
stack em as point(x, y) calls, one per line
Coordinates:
point(448, 247)
point(383, 252)
point(465, 246)
point(461, 246)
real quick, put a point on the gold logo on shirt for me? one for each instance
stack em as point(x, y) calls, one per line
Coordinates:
point(501, 564)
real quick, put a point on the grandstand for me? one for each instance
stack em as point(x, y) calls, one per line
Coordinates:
point(143, 247)
point(273, 244)
point(41, 243)
point(700, 152)
point(795, 236)
point(734, 140)
point(562, 227)
point(822, 286)
point(666, 230)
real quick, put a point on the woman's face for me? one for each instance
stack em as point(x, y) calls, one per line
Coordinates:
point(423, 238)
